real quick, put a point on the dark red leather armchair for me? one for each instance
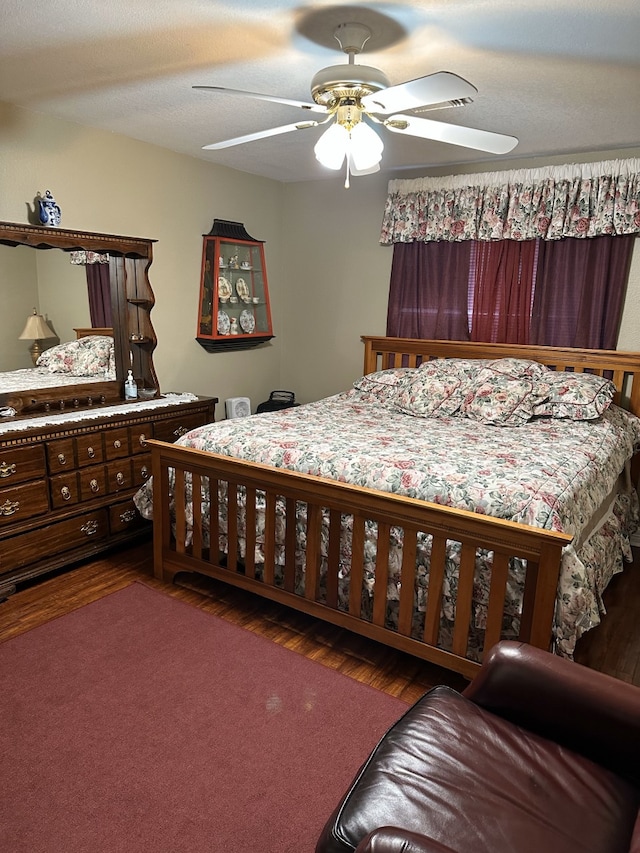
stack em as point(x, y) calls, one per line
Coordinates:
point(537, 755)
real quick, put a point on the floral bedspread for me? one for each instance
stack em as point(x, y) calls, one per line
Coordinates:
point(549, 473)
point(28, 378)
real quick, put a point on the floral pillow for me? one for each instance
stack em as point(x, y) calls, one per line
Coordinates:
point(382, 386)
point(506, 392)
point(438, 388)
point(577, 396)
point(90, 356)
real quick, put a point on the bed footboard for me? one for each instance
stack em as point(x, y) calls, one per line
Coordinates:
point(305, 565)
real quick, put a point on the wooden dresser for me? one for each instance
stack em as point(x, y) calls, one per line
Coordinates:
point(66, 490)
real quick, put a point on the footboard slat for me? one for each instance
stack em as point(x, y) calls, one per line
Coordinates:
point(197, 516)
point(250, 524)
point(407, 587)
point(181, 522)
point(214, 520)
point(356, 573)
point(312, 566)
point(333, 558)
point(436, 583)
point(463, 603)
point(495, 608)
point(269, 537)
point(232, 526)
point(346, 569)
point(382, 574)
point(290, 546)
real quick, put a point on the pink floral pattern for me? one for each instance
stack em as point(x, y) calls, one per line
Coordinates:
point(89, 356)
point(552, 474)
point(579, 396)
point(580, 200)
point(437, 388)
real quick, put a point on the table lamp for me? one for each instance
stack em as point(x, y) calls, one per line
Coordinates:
point(36, 329)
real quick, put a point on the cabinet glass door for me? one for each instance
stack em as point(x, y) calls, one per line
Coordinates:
point(234, 308)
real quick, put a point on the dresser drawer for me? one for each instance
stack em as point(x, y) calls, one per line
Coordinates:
point(64, 490)
point(124, 516)
point(20, 503)
point(61, 455)
point(116, 443)
point(138, 436)
point(93, 482)
point(89, 449)
point(18, 464)
point(174, 429)
point(141, 469)
point(53, 539)
point(119, 475)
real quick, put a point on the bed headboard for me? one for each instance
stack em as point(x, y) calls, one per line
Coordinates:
point(85, 333)
point(623, 368)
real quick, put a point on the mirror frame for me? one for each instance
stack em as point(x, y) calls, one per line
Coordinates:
point(131, 303)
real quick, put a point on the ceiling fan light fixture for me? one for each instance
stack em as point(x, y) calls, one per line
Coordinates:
point(331, 148)
point(361, 145)
point(365, 147)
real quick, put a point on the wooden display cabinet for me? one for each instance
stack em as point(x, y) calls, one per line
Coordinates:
point(234, 311)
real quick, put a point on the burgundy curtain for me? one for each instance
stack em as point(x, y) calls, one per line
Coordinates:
point(504, 278)
point(99, 289)
point(428, 292)
point(580, 290)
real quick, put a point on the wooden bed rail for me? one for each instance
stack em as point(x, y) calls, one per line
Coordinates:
point(255, 488)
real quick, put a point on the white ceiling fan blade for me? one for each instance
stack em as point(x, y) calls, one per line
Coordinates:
point(467, 137)
point(432, 89)
point(316, 108)
point(260, 134)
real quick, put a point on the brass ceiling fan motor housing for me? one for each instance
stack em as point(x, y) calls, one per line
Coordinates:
point(330, 86)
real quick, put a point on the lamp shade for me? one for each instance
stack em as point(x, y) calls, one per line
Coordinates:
point(36, 328)
point(365, 147)
point(331, 148)
point(361, 145)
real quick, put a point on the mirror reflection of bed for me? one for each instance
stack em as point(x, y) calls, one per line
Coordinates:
point(37, 274)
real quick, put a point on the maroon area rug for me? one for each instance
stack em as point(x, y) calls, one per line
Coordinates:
point(141, 724)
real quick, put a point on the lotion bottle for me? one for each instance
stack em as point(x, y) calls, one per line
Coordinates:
point(130, 387)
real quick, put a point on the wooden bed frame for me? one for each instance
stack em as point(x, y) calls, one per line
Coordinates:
point(542, 549)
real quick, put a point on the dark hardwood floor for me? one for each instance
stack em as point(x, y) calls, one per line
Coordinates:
point(612, 647)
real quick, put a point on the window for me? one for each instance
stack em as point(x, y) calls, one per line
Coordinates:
point(567, 292)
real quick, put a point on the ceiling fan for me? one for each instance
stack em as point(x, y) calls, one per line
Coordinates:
point(355, 97)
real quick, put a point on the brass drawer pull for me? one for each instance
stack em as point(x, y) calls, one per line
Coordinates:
point(179, 431)
point(127, 515)
point(94, 485)
point(6, 469)
point(144, 472)
point(90, 528)
point(62, 459)
point(143, 440)
point(117, 444)
point(9, 507)
point(90, 452)
point(65, 491)
point(119, 478)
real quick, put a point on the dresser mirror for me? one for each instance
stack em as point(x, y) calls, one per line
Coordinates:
point(36, 273)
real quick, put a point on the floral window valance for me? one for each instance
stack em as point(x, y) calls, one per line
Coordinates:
point(580, 200)
point(82, 258)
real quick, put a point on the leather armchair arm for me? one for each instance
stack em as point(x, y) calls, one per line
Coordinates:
point(585, 710)
point(391, 839)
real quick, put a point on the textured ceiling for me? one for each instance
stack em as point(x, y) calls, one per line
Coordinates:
point(561, 75)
